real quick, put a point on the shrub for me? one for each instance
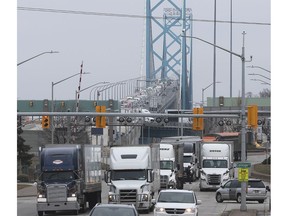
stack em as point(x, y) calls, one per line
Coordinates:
point(23, 178)
point(267, 161)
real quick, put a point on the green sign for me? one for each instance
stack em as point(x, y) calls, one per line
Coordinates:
point(243, 165)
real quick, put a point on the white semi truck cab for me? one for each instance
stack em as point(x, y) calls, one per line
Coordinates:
point(167, 166)
point(134, 175)
point(216, 162)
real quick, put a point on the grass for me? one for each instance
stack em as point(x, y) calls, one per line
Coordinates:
point(21, 186)
point(263, 168)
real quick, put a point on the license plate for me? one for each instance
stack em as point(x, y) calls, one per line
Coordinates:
point(256, 191)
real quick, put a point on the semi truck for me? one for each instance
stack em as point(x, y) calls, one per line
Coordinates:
point(216, 163)
point(191, 153)
point(134, 175)
point(69, 177)
point(171, 165)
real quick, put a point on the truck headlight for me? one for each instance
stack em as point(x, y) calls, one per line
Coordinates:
point(144, 197)
point(111, 198)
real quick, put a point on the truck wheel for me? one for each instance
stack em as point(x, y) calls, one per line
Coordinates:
point(219, 198)
point(40, 213)
point(76, 212)
point(238, 198)
point(261, 201)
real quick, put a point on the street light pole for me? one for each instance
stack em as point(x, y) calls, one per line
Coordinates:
point(252, 66)
point(36, 57)
point(263, 82)
point(52, 103)
point(259, 75)
point(243, 206)
point(203, 89)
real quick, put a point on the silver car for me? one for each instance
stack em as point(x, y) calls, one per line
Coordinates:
point(231, 190)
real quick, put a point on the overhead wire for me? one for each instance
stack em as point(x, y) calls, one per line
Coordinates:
point(127, 15)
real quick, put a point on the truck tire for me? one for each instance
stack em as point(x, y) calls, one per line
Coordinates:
point(40, 213)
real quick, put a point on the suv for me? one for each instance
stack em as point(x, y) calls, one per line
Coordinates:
point(113, 209)
point(176, 202)
point(231, 190)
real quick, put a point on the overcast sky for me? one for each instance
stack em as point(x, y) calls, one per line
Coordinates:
point(112, 47)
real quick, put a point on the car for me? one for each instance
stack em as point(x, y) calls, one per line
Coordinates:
point(176, 202)
point(113, 209)
point(231, 190)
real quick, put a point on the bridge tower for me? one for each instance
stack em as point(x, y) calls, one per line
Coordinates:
point(168, 54)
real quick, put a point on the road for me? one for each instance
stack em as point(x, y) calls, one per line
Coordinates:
point(26, 206)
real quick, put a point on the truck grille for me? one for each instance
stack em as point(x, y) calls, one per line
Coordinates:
point(56, 193)
point(174, 211)
point(128, 196)
point(214, 179)
point(163, 181)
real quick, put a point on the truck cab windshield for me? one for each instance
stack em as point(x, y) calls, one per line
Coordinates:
point(53, 177)
point(209, 163)
point(128, 175)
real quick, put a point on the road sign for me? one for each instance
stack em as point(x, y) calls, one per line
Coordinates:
point(243, 174)
point(243, 165)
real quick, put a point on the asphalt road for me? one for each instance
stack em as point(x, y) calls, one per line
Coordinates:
point(26, 206)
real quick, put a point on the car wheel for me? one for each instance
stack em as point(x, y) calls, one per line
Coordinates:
point(261, 201)
point(219, 198)
point(40, 213)
point(238, 198)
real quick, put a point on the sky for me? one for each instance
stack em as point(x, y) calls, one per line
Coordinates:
point(111, 49)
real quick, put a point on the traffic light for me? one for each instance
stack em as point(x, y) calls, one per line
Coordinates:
point(252, 116)
point(100, 120)
point(45, 122)
point(198, 123)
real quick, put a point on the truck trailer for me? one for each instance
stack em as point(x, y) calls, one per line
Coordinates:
point(69, 176)
point(134, 175)
point(216, 164)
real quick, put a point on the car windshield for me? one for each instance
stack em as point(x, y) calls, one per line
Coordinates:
point(256, 184)
point(176, 197)
point(113, 211)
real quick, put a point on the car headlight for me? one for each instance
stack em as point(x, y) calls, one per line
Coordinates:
point(159, 209)
point(190, 210)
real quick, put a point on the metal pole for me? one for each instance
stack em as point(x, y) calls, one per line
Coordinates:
point(52, 117)
point(243, 206)
point(36, 56)
point(231, 49)
point(214, 58)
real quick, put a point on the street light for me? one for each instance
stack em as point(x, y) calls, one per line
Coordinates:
point(243, 206)
point(52, 103)
point(252, 66)
point(203, 89)
point(263, 82)
point(36, 56)
point(259, 75)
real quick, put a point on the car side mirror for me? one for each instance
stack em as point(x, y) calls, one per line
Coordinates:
point(199, 202)
point(268, 188)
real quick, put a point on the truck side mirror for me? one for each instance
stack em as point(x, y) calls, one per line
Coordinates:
point(150, 177)
point(107, 176)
